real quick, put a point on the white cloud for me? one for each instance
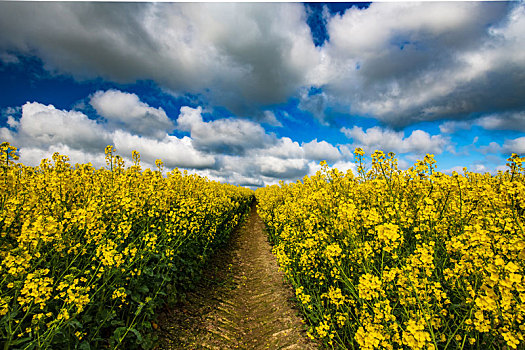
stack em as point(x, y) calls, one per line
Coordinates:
point(282, 168)
point(496, 121)
point(257, 170)
point(492, 147)
point(43, 130)
point(229, 150)
point(376, 138)
point(476, 167)
point(344, 166)
point(509, 146)
point(451, 127)
point(402, 164)
point(503, 121)
point(458, 169)
point(364, 31)
point(321, 151)
point(41, 125)
point(222, 135)
point(313, 167)
point(270, 118)
point(514, 146)
point(12, 122)
point(284, 148)
point(284, 160)
point(174, 152)
point(34, 155)
point(126, 111)
point(479, 168)
point(315, 103)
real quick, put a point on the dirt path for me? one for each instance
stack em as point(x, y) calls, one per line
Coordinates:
point(242, 302)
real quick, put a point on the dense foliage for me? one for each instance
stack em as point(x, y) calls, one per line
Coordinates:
point(87, 255)
point(404, 259)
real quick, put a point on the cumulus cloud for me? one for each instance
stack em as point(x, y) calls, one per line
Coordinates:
point(230, 149)
point(345, 165)
point(397, 62)
point(514, 146)
point(499, 121)
point(407, 62)
point(451, 127)
point(458, 169)
point(504, 121)
point(41, 125)
point(492, 147)
point(34, 155)
point(283, 148)
point(321, 151)
point(386, 140)
point(260, 170)
point(126, 111)
point(477, 168)
point(42, 130)
point(185, 47)
point(284, 160)
point(259, 157)
point(282, 168)
point(174, 152)
point(509, 146)
point(231, 135)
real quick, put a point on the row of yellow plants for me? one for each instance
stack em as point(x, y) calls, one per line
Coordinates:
point(87, 255)
point(416, 259)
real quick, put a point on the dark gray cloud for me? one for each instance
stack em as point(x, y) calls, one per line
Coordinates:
point(398, 62)
point(241, 56)
point(407, 62)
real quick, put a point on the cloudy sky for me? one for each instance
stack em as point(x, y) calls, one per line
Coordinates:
point(252, 93)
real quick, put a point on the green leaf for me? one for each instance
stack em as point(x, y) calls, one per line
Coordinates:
point(84, 345)
point(137, 334)
point(119, 332)
point(19, 341)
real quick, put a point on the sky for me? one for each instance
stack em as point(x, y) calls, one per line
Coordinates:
point(254, 93)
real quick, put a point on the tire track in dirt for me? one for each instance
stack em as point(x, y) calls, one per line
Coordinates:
point(242, 302)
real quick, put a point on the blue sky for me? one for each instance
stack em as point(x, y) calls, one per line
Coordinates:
point(252, 93)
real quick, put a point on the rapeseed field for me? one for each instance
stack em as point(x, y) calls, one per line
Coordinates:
point(415, 259)
point(87, 255)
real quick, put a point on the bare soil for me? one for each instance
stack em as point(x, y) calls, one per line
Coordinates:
point(242, 302)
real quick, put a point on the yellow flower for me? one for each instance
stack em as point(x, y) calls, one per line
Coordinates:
point(369, 286)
